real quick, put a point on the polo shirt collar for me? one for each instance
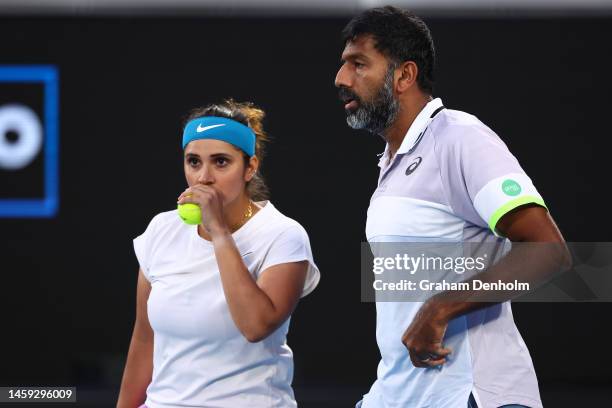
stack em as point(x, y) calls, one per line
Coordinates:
point(415, 130)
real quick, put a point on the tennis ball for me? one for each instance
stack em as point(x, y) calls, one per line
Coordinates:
point(190, 213)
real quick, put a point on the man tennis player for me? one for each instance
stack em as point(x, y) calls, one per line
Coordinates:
point(444, 176)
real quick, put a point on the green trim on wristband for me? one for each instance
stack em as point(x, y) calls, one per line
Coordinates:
point(511, 205)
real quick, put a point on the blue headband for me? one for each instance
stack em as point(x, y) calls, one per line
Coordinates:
point(224, 129)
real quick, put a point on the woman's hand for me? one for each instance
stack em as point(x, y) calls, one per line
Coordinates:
point(211, 204)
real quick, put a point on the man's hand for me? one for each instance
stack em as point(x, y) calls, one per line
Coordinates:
point(530, 223)
point(423, 338)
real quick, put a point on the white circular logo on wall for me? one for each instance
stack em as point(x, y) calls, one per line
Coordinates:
point(27, 129)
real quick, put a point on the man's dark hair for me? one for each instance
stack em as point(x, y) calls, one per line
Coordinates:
point(400, 36)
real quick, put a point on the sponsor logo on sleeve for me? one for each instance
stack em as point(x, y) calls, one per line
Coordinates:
point(511, 188)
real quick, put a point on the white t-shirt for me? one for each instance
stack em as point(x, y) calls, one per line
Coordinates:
point(200, 358)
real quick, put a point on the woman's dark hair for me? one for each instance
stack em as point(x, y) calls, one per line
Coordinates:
point(250, 115)
point(400, 36)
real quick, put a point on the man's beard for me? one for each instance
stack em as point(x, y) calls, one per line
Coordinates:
point(377, 114)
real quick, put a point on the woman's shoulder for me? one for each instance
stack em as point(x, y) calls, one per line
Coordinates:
point(164, 220)
point(167, 216)
point(276, 221)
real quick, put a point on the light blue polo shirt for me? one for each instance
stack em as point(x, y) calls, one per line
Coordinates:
point(451, 180)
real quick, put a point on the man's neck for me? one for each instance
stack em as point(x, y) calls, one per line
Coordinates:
point(408, 112)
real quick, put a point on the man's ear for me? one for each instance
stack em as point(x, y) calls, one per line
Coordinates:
point(406, 75)
point(251, 169)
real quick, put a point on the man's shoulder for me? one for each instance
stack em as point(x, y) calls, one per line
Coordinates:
point(453, 127)
point(451, 120)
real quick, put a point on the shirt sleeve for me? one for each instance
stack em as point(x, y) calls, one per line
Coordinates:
point(293, 245)
point(484, 180)
point(142, 247)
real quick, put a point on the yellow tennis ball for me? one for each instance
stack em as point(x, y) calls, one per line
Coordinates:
point(190, 213)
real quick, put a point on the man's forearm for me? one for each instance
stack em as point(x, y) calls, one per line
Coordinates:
point(531, 263)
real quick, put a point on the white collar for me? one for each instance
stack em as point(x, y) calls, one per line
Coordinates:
point(415, 130)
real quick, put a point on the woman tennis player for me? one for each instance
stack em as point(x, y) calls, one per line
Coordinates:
point(214, 299)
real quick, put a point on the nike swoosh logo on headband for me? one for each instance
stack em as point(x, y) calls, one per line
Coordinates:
point(202, 129)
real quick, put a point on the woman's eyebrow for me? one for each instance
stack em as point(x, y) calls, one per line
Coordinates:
point(224, 155)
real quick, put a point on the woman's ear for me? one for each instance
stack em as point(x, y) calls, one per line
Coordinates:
point(251, 168)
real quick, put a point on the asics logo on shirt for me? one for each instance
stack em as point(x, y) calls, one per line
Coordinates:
point(413, 166)
point(205, 128)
